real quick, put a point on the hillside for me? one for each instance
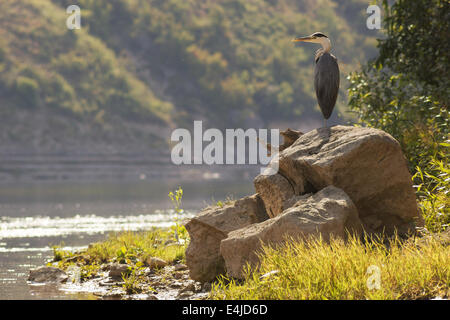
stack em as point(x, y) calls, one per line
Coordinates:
point(138, 68)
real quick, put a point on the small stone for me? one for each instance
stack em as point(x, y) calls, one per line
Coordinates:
point(197, 287)
point(152, 297)
point(178, 275)
point(206, 287)
point(189, 287)
point(185, 294)
point(48, 274)
point(106, 283)
point(175, 285)
point(117, 270)
point(148, 271)
point(154, 262)
point(112, 296)
point(180, 266)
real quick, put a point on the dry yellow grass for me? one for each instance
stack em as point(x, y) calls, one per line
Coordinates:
point(339, 270)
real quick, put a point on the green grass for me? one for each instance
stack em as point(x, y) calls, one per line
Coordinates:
point(317, 270)
point(132, 248)
point(132, 282)
point(137, 246)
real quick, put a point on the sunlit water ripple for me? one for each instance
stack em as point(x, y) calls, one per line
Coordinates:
point(30, 227)
point(25, 243)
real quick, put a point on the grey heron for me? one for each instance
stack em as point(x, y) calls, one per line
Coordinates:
point(326, 73)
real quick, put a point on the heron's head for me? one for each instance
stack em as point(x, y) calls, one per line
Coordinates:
point(316, 37)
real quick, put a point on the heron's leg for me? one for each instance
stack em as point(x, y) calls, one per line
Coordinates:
point(324, 122)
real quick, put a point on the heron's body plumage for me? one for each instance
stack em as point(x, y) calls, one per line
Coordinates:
point(326, 74)
point(326, 82)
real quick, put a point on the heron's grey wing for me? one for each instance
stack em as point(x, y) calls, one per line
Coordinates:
point(326, 83)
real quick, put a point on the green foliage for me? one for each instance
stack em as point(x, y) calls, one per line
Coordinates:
point(133, 279)
point(405, 91)
point(417, 44)
point(69, 73)
point(228, 200)
point(433, 191)
point(179, 231)
point(130, 254)
point(59, 254)
point(88, 271)
point(391, 103)
point(28, 91)
point(129, 247)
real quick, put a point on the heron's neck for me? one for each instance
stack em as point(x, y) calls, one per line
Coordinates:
point(326, 47)
point(326, 44)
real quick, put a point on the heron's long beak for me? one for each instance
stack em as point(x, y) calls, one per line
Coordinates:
point(304, 39)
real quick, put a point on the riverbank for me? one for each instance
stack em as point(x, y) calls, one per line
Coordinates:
point(130, 265)
point(150, 265)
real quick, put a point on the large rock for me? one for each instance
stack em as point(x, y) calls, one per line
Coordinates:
point(326, 213)
point(47, 275)
point(210, 227)
point(329, 180)
point(368, 164)
point(275, 190)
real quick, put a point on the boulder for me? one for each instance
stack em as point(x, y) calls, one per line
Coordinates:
point(329, 180)
point(329, 212)
point(48, 275)
point(368, 164)
point(210, 227)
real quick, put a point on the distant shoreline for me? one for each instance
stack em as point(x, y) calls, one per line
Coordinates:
point(107, 167)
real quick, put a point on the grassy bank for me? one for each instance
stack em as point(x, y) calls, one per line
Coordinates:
point(135, 249)
point(416, 269)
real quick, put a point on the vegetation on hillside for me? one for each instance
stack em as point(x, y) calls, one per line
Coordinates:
point(137, 62)
point(230, 58)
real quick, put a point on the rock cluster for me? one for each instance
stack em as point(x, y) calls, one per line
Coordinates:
point(159, 280)
point(330, 181)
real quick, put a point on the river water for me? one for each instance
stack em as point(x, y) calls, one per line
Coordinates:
point(36, 215)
